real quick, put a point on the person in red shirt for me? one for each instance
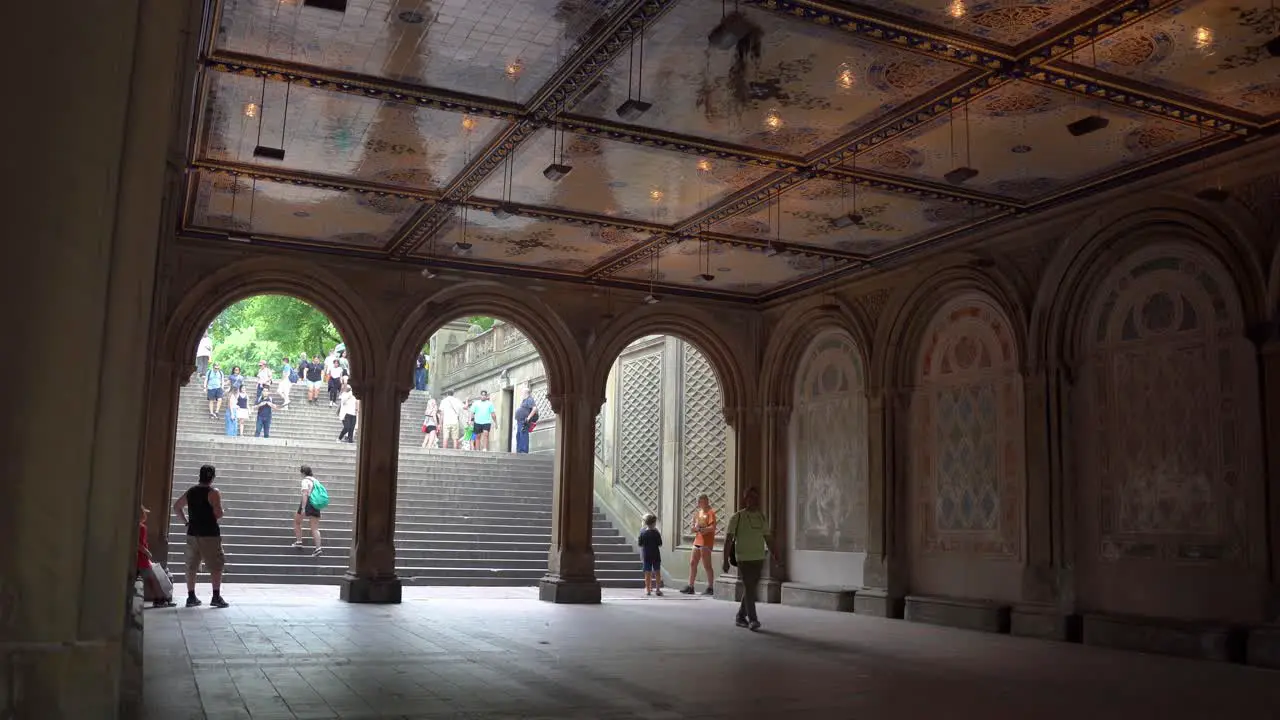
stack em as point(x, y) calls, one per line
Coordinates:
point(147, 571)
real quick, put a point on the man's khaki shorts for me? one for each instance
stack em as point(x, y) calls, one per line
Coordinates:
point(207, 550)
point(450, 432)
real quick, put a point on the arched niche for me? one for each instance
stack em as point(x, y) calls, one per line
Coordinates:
point(964, 454)
point(1165, 441)
point(828, 463)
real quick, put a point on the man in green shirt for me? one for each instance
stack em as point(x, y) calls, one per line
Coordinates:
point(749, 538)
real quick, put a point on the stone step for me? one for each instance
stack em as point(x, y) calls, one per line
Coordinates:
point(190, 457)
point(284, 503)
point(417, 541)
point(232, 579)
point(327, 445)
point(409, 523)
point(257, 475)
point(407, 571)
point(331, 556)
point(599, 537)
point(284, 549)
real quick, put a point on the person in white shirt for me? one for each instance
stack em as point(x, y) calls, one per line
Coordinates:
point(336, 383)
point(306, 509)
point(451, 415)
point(204, 351)
point(348, 406)
point(265, 376)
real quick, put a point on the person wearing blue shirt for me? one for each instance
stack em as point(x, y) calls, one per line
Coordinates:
point(526, 416)
point(482, 420)
point(213, 389)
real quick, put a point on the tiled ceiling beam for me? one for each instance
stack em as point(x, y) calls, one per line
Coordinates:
point(568, 216)
point(677, 142)
point(310, 179)
point(941, 45)
point(360, 85)
point(572, 78)
point(881, 181)
point(1094, 27)
point(782, 247)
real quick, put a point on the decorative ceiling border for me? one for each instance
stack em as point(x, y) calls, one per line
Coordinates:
point(309, 179)
point(1079, 84)
point(361, 85)
point(1093, 29)
point(950, 47)
point(913, 186)
point(676, 142)
point(569, 217)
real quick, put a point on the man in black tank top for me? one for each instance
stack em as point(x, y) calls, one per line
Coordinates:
point(202, 504)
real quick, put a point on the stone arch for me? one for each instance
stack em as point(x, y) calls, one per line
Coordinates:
point(828, 461)
point(796, 331)
point(542, 325)
point(691, 325)
point(911, 307)
point(271, 275)
point(1106, 238)
point(1165, 436)
point(963, 445)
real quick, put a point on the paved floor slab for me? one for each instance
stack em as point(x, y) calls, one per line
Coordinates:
point(292, 652)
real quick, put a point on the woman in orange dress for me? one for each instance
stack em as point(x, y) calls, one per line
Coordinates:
point(704, 542)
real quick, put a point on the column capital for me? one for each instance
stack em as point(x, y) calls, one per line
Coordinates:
point(399, 388)
point(560, 402)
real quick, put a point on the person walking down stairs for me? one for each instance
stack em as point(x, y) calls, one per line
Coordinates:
point(348, 406)
point(314, 498)
point(200, 509)
point(265, 408)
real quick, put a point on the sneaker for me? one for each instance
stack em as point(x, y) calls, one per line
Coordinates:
point(297, 544)
point(164, 604)
point(740, 622)
point(688, 590)
point(316, 552)
point(218, 602)
point(648, 592)
point(709, 591)
point(193, 601)
point(754, 625)
point(658, 593)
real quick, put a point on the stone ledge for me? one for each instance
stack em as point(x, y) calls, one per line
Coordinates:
point(564, 591)
point(819, 597)
point(877, 603)
point(981, 615)
point(1264, 646)
point(1044, 622)
point(1201, 641)
point(729, 587)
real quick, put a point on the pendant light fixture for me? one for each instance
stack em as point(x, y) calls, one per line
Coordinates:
point(963, 173)
point(1217, 193)
point(506, 208)
point(634, 107)
point(264, 151)
point(775, 245)
point(848, 218)
point(462, 247)
point(558, 167)
point(651, 298)
point(704, 262)
point(732, 28)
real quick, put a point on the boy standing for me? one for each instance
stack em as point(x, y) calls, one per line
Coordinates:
point(650, 543)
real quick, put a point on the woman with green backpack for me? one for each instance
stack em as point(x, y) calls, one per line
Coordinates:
point(314, 499)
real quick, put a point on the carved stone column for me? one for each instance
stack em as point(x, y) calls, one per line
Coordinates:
point(571, 567)
point(166, 379)
point(1269, 366)
point(1039, 578)
point(884, 570)
point(372, 576)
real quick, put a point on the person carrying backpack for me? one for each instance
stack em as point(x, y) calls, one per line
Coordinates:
point(314, 499)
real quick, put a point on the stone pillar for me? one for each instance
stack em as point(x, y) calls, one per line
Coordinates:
point(167, 377)
point(372, 576)
point(884, 570)
point(1039, 578)
point(85, 220)
point(571, 567)
point(1269, 365)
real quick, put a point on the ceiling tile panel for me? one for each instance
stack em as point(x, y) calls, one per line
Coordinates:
point(531, 242)
point(332, 217)
point(736, 269)
point(889, 220)
point(620, 179)
point(340, 134)
point(1006, 22)
point(793, 88)
point(1209, 50)
point(496, 48)
point(1016, 138)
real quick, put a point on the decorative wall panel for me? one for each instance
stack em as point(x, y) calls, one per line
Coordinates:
point(966, 435)
point(538, 390)
point(829, 460)
point(1167, 375)
point(600, 435)
point(703, 436)
point(639, 423)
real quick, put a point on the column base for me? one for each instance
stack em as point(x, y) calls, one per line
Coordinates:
point(555, 589)
point(729, 587)
point(379, 591)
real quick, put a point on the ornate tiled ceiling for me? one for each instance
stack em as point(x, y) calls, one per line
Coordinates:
point(824, 140)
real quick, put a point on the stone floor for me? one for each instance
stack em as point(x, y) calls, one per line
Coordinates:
point(284, 652)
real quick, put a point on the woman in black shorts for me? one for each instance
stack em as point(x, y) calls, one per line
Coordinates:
point(306, 509)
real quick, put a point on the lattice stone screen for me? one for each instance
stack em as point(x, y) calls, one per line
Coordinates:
point(703, 437)
point(538, 390)
point(639, 468)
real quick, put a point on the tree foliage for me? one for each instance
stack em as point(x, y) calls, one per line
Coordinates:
point(270, 327)
point(483, 322)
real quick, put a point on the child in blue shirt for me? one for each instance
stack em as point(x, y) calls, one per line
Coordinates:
point(650, 543)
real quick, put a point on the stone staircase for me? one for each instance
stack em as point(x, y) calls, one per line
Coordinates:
point(463, 518)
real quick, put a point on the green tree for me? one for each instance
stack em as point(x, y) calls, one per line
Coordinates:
point(270, 327)
point(483, 322)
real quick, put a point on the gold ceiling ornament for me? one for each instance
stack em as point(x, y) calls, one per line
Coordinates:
point(1204, 40)
point(957, 9)
point(772, 120)
point(251, 110)
point(1130, 51)
point(846, 78)
point(1016, 17)
point(704, 165)
point(468, 123)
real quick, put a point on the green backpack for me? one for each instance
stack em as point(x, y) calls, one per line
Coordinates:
point(319, 497)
